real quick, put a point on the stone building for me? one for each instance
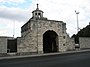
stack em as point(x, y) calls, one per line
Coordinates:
point(43, 36)
point(40, 35)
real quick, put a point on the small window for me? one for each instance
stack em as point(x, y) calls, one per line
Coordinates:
point(63, 31)
point(63, 44)
point(39, 14)
point(63, 37)
point(35, 13)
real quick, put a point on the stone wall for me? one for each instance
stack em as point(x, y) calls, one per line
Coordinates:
point(84, 42)
point(70, 43)
point(32, 39)
point(28, 41)
point(3, 44)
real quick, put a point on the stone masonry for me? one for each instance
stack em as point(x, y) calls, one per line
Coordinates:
point(3, 44)
point(84, 42)
point(33, 31)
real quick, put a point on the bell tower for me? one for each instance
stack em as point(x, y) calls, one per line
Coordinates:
point(37, 13)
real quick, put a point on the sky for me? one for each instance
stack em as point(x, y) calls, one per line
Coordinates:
point(15, 13)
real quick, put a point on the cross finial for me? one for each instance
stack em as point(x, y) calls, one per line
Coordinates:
point(37, 6)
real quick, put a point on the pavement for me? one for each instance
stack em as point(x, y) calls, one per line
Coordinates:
point(47, 54)
point(77, 59)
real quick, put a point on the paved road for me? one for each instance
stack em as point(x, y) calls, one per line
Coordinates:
point(66, 60)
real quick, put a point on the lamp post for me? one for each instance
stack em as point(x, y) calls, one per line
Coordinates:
point(77, 45)
point(77, 20)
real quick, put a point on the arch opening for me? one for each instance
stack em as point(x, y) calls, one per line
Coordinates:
point(50, 42)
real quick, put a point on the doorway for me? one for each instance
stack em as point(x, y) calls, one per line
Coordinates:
point(11, 45)
point(50, 41)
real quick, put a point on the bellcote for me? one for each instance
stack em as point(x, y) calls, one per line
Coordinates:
point(37, 13)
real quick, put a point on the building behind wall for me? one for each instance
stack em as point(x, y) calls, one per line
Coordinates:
point(82, 38)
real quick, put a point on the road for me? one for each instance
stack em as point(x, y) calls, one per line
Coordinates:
point(65, 60)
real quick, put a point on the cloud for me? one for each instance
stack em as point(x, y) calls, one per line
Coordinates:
point(62, 10)
point(14, 13)
point(14, 1)
point(17, 13)
point(10, 27)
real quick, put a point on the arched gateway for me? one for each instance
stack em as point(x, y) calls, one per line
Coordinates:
point(35, 39)
point(50, 41)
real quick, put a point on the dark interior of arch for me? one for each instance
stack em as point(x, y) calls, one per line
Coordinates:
point(50, 39)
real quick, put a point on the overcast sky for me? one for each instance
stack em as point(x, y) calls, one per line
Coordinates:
point(15, 13)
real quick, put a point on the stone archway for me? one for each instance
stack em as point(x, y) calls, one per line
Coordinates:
point(50, 41)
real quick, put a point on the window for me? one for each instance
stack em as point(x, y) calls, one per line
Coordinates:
point(63, 44)
point(63, 37)
point(35, 13)
point(62, 31)
point(39, 14)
